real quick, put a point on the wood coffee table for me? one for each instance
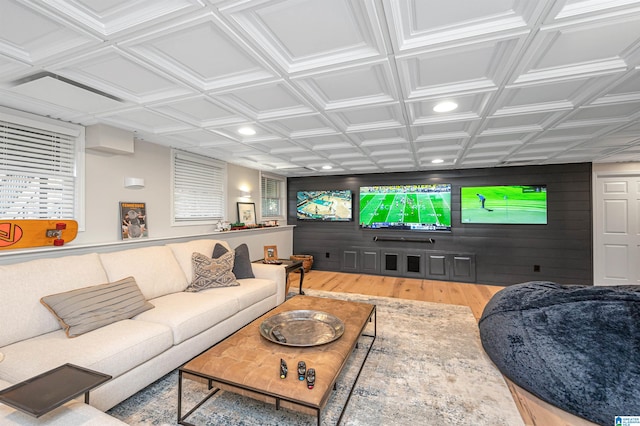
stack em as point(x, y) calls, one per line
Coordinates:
point(248, 364)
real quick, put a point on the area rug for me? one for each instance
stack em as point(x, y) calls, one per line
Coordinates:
point(426, 367)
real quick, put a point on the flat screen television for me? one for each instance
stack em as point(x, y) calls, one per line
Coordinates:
point(506, 204)
point(417, 207)
point(331, 206)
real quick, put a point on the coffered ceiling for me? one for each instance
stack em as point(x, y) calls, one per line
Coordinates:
point(344, 83)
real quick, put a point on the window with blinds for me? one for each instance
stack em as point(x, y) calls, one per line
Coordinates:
point(38, 167)
point(271, 193)
point(198, 188)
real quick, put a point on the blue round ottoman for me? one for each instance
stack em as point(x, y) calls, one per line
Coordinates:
point(576, 347)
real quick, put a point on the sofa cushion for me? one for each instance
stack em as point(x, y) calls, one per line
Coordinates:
point(155, 269)
point(241, 261)
point(88, 308)
point(23, 284)
point(113, 349)
point(210, 273)
point(188, 314)
point(73, 413)
point(249, 292)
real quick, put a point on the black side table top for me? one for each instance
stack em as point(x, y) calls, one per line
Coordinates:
point(40, 394)
point(289, 266)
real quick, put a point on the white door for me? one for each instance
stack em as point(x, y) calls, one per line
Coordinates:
point(616, 229)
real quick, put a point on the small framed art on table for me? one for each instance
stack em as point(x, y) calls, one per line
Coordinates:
point(270, 253)
point(247, 213)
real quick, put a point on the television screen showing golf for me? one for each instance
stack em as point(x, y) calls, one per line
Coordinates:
point(509, 204)
point(420, 207)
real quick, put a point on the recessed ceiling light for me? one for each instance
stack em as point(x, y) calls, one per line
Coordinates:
point(437, 161)
point(327, 167)
point(445, 106)
point(247, 131)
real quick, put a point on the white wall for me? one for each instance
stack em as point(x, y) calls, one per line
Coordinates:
point(616, 168)
point(104, 182)
point(105, 175)
point(239, 178)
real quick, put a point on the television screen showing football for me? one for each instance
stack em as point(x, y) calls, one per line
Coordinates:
point(415, 207)
point(505, 204)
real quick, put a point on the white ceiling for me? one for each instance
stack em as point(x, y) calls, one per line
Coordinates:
point(346, 83)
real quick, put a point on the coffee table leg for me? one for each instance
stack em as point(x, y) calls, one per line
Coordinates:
point(86, 397)
point(179, 397)
point(212, 391)
point(374, 314)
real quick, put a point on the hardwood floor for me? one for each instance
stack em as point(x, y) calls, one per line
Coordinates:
point(475, 296)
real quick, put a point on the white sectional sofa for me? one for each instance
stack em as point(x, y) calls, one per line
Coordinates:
point(135, 351)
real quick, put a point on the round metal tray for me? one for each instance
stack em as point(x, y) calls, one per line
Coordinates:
point(303, 328)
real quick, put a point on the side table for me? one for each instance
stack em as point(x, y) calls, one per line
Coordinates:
point(40, 394)
point(289, 266)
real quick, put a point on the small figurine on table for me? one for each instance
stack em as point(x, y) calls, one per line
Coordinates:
point(302, 370)
point(311, 378)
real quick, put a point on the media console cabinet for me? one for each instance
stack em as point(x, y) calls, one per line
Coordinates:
point(411, 263)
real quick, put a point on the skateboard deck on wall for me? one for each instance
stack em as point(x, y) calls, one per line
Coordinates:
point(25, 233)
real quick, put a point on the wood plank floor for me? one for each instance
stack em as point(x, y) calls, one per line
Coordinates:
point(534, 411)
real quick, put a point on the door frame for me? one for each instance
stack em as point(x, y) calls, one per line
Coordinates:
point(615, 171)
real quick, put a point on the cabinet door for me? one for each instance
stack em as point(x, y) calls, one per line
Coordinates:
point(370, 261)
point(437, 267)
point(413, 264)
point(463, 268)
point(350, 261)
point(391, 263)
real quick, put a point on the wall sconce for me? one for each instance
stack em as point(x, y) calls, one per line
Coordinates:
point(133, 183)
point(245, 192)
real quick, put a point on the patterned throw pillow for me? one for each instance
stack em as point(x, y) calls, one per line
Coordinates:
point(211, 273)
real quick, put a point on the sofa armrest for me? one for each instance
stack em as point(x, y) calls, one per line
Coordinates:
point(275, 273)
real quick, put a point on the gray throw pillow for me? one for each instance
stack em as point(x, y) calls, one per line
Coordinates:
point(218, 251)
point(242, 262)
point(85, 309)
point(211, 273)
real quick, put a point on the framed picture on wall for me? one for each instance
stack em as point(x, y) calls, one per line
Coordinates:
point(247, 213)
point(133, 221)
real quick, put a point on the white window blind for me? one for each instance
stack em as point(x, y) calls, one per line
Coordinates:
point(198, 188)
point(37, 172)
point(271, 193)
